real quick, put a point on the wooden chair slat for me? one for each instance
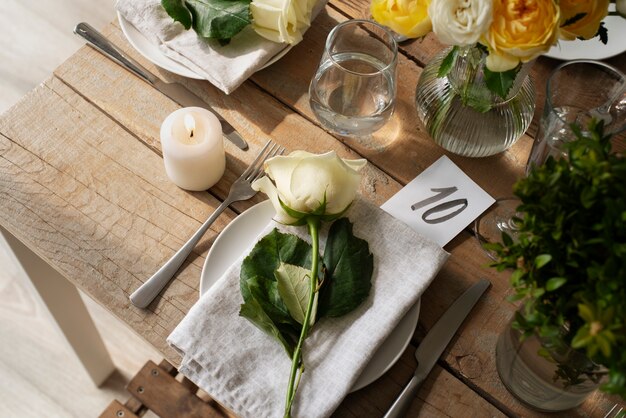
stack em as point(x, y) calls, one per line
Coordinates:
point(117, 410)
point(162, 394)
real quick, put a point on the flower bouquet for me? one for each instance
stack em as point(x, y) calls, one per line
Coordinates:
point(476, 98)
point(511, 32)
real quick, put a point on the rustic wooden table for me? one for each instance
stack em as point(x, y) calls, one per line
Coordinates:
point(82, 186)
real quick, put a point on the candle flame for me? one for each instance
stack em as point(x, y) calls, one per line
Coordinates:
point(190, 124)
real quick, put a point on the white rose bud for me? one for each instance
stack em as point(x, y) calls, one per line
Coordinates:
point(460, 22)
point(281, 21)
point(306, 184)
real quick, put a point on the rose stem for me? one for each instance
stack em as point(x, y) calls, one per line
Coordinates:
point(313, 223)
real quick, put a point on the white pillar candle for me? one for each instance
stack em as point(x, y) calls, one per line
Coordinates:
point(193, 148)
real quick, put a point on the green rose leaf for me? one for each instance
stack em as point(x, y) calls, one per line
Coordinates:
point(253, 311)
point(266, 311)
point(349, 267)
point(219, 19)
point(266, 293)
point(293, 287)
point(447, 62)
point(263, 305)
point(603, 33)
point(501, 82)
point(178, 11)
point(267, 255)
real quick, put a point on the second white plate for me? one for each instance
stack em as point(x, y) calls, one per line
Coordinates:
point(241, 233)
point(152, 53)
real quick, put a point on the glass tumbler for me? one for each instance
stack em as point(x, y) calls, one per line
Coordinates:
point(353, 91)
point(576, 92)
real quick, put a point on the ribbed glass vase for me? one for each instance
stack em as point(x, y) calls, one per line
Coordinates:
point(463, 116)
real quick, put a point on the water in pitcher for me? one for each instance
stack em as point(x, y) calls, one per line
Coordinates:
point(353, 94)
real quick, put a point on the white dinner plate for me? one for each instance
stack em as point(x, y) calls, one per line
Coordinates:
point(152, 53)
point(241, 233)
point(594, 49)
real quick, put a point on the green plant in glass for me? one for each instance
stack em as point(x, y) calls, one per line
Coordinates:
point(569, 260)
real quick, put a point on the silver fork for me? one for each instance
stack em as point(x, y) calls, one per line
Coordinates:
point(615, 413)
point(240, 190)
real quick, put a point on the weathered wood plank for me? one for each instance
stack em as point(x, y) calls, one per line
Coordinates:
point(252, 111)
point(440, 395)
point(107, 228)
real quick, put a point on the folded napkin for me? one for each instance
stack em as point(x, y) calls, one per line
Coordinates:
point(247, 371)
point(226, 67)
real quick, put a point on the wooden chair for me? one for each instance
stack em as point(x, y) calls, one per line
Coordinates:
point(157, 389)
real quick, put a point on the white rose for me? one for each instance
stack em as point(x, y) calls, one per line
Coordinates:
point(305, 182)
point(460, 22)
point(281, 21)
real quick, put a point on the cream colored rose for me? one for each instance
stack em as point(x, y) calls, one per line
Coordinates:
point(281, 21)
point(586, 27)
point(406, 17)
point(309, 184)
point(460, 22)
point(521, 30)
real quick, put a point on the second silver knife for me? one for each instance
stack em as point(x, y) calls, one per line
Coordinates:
point(177, 92)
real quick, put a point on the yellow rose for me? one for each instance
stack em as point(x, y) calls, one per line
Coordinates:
point(406, 17)
point(521, 30)
point(587, 26)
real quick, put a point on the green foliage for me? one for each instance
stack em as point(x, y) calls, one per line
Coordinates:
point(275, 275)
point(293, 288)
point(217, 19)
point(603, 33)
point(178, 11)
point(448, 62)
point(263, 305)
point(472, 81)
point(500, 83)
point(569, 260)
point(349, 266)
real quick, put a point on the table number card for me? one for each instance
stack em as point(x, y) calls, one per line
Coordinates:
point(440, 202)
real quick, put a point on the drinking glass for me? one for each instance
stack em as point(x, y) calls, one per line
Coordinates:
point(576, 92)
point(353, 91)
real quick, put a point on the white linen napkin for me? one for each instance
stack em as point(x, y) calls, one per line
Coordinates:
point(247, 371)
point(226, 67)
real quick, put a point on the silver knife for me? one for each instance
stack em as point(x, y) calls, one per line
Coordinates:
point(175, 91)
point(434, 343)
